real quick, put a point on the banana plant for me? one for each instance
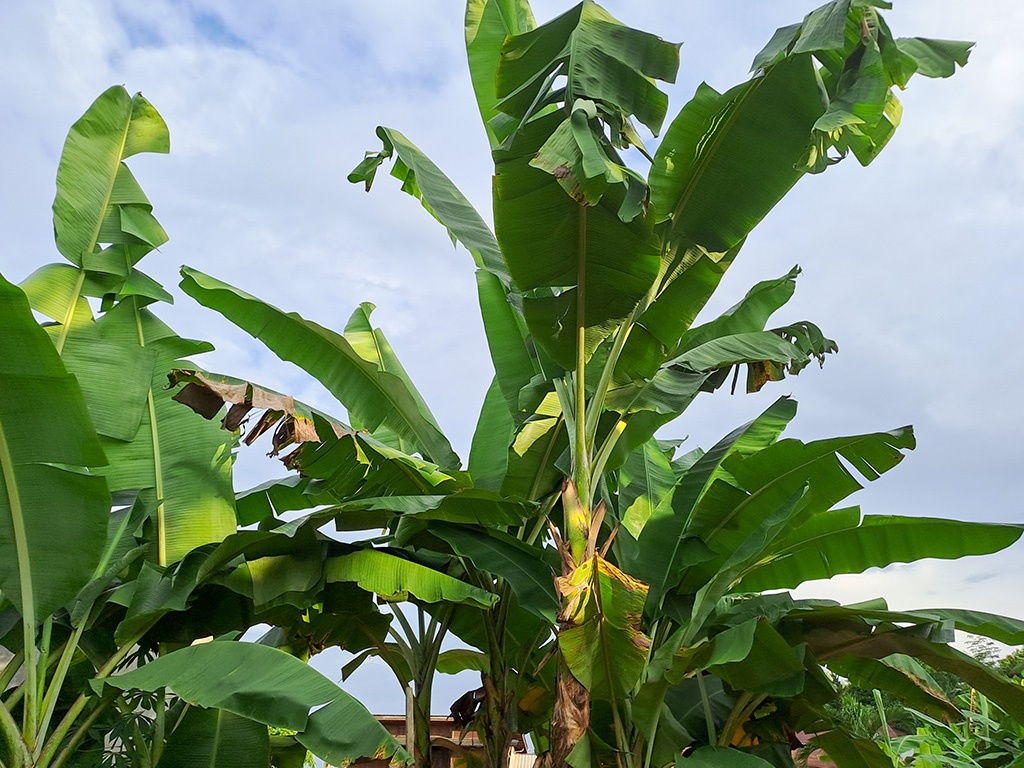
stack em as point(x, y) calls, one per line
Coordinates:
point(147, 536)
point(629, 572)
point(104, 225)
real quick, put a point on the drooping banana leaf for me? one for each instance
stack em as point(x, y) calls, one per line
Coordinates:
point(396, 578)
point(731, 508)
point(237, 676)
point(53, 508)
point(375, 397)
point(422, 179)
point(904, 677)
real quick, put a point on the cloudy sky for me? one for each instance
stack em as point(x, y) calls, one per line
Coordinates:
point(912, 265)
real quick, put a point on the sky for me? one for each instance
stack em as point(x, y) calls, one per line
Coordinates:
point(913, 265)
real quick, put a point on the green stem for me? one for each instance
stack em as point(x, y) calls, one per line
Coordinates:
point(11, 670)
point(19, 749)
point(77, 737)
point(542, 518)
point(28, 605)
point(608, 446)
point(884, 727)
point(604, 383)
point(158, 472)
point(64, 726)
point(709, 716)
point(581, 459)
point(414, 643)
point(45, 639)
point(57, 682)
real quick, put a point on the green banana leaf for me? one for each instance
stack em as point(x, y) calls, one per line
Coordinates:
point(180, 465)
point(180, 460)
point(528, 570)
point(464, 506)
point(375, 397)
point(395, 578)
point(237, 677)
point(488, 23)
point(442, 199)
point(601, 60)
point(494, 433)
point(904, 677)
point(836, 642)
point(96, 193)
point(371, 345)
point(558, 249)
point(646, 481)
point(852, 545)
point(422, 179)
point(216, 738)
point(850, 752)
point(460, 659)
point(727, 159)
point(47, 448)
point(727, 514)
point(664, 549)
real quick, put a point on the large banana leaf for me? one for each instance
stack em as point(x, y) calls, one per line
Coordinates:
point(465, 506)
point(527, 569)
point(375, 397)
point(97, 195)
point(216, 738)
point(488, 23)
point(371, 345)
point(901, 675)
point(829, 641)
point(503, 323)
point(494, 433)
point(839, 541)
point(601, 60)
point(560, 251)
point(727, 513)
point(176, 457)
point(53, 509)
point(238, 676)
point(553, 245)
point(645, 482)
point(727, 159)
point(121, 359)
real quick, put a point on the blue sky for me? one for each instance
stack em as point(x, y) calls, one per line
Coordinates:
point(913, 265)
